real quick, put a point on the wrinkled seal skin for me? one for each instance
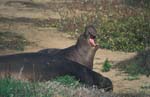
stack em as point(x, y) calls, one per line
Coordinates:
point(82, 52)
point(43, 67)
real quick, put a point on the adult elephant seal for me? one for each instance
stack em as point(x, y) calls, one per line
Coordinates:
point(82, 52)
point(43, 67)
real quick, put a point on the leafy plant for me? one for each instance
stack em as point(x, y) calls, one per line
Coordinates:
point(106, 66)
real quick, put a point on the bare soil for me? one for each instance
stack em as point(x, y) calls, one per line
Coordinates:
point(47, 37)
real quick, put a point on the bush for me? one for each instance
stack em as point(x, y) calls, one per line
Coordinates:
point(106, 66)
point(126, 34)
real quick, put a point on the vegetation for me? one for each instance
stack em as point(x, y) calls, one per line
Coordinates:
point(15, 88)
point(138, 65)
point(122, 25)
point(67, 80)
point(12, 41)
point(124, 28)
point(127, 34)
point(58, 86)
point(132, 77)
point(106, 66)
point(145, 88)
point(135, 69)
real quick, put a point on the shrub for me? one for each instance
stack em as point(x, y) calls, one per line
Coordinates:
point(126, 34)
point(106, 66)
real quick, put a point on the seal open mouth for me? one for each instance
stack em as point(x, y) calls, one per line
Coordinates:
point(92, 40)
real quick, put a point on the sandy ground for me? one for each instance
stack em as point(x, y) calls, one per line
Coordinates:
point(46, 37)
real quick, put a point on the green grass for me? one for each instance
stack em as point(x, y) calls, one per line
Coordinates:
point(59, 87)
point(12, 41)
point(67, 80)
point(13, 88)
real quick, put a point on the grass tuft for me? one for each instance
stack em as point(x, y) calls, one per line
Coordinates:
point(106, 66)
point(67, 80)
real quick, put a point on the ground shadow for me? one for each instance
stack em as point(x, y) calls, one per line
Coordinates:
point(34, 21)
point(28, 4)
point(139, 64)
